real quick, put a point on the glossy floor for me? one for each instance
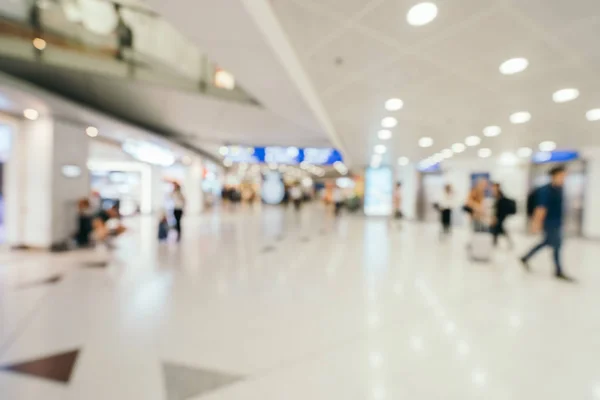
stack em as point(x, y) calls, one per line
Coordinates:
point(260, 305)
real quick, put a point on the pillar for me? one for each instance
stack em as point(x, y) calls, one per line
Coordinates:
point(192, 188)
point(45, 176)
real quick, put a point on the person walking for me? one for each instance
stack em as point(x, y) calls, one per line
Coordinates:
point(445, 206)
point(503, 207)
point(548, 216)
point(178, 206)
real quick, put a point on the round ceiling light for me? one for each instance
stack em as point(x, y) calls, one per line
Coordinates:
point(492, 131)
point(380, 149)
point(224, 150)
point(394, 104)
point(593, 115)
point(520, 117)
point(376, 161)
point(384, 134)
point(403, 161)
point(484, 153)
point(514, 66)
point(425, 142)
point(524, 152)
point(547, 146)
point(422, 14)
point(39, 43)
point(447, 153)
point(437, 157)
point(389, 122)
point(98, 16)
point(565, 95)
point(31, 114)
point(458, 148)
point(92, 131)
point(473, 141)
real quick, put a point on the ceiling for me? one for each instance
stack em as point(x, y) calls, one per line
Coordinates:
point(447, 72)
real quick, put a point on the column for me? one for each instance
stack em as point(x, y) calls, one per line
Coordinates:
point(192, 188)
point(45, 176)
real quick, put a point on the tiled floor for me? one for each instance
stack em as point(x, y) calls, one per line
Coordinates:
point(260, 305)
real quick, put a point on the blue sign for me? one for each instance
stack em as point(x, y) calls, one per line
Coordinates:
point(430, 168)
point(555, 156)
point(283, 155)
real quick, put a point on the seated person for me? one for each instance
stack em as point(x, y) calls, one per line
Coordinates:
point(84, 229)
point(107, 224)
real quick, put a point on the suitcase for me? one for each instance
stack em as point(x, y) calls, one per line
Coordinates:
point(481, 247)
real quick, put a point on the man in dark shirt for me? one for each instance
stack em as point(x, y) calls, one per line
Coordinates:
point(548, 216)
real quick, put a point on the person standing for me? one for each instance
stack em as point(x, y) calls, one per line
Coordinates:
point(548, 216)
point(446, 205)
point(338, 200)
point(503, 207)
point(297, 196)
point(475, 205)
point(178, 206)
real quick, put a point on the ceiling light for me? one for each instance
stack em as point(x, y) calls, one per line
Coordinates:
point(508, 158)
point(484, 153)
point(92, 131)
point(31, 114)
point(403, 161)
point(389, 122)
point(520, 117)
point(565, 95)
point(524, 152)
point(39, 43)
point(384, 134)
point(492, 131)
point(547, 146)
point(458, 147)
point(473, 141)
point(514, 66)
point(394, 104)
point(438, 157)
point(593, 115)
point(224, 150)
point(447, 153)
point(426, 142)
point(422, 14)
point(380, 149)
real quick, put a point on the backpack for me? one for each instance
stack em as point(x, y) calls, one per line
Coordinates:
point(532, 200)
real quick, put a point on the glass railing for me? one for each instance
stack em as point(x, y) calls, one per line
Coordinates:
point(103, 37)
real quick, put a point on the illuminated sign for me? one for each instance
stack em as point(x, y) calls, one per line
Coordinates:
point(282, 155)
point(554, 156)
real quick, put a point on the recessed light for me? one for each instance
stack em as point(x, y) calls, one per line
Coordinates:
point(380, 149)
point(425, 142)
point(389, 122)
point(508, 158)
point(403, 161)
point(224, 150)
point(394, 104)
point(31, 114)
point(524, 152)
point(484, 153)
point(520, 117)
point(39, 43)
point(473, 141)
point(92, 131)
point(384, 134)
point(514, 66)
point(492, 131)
point(447, 153)
point(565, 95)
point(593, 115)
point(547, 146)
point(437, 157)
point(458, 147)
point(422, 14)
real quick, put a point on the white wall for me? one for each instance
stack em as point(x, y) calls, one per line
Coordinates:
point(591, 210)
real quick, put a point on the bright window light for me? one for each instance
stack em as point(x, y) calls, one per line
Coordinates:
point(394, 104)
point(593, 115)
point(514, 66)
point(524, 152)
point(492, 131)
point(547, 146)
point(384, 134)
point(425, 142)
point(565, 95)
point(422, 14)
point(458, 148)
point(520, 117)
point(473, 141)
point(389, 122)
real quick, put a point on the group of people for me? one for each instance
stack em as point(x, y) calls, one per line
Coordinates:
point(545, 209)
